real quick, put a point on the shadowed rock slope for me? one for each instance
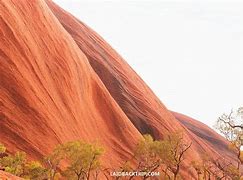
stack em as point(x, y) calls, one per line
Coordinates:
point(206, 134)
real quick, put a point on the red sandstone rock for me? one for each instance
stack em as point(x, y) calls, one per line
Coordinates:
point(60, 81)
point(8, 176)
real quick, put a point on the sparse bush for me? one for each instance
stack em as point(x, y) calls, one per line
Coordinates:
point(177, 148)
point(219, 168)
point(81, 160)
point(164, 156)
point(34, 170)
point(147, 154)
point(230, 125)
point(14, 164)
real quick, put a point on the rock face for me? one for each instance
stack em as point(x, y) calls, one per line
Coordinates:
point(205, 134)
point(7, 176)
point(134, 97)
point(49, 92)
point(60, 81)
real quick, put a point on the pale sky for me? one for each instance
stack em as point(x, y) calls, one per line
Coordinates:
point(189, 52)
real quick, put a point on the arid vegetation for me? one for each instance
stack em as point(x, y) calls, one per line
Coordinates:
point(164, 156)
point(231, 126)
point(79, 160)
point(209, 168)
point(18, 165)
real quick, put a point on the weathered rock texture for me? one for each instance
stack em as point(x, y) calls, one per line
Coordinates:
point(60, 81)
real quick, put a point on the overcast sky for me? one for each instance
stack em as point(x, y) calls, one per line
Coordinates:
point(189, 52)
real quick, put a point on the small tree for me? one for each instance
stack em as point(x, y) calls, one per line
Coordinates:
point(177, 149)
point(79, 158)
point(18, 165)
point(198, 168)
point(162, 155)
point(219, 168)
point(34, 170)
point(147, 154)
point(231, 126)
point(14, 164)
point(227, 170)
point(53, 161)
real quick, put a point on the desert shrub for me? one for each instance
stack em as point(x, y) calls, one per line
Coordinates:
point(82, 160)
point(14, 164)
point(34, 170)
point(165, 155)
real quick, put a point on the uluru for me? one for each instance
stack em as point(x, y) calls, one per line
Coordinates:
point(61, 82)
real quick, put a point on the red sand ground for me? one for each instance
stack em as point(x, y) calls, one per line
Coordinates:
point(7, 176)
point(60, 81)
